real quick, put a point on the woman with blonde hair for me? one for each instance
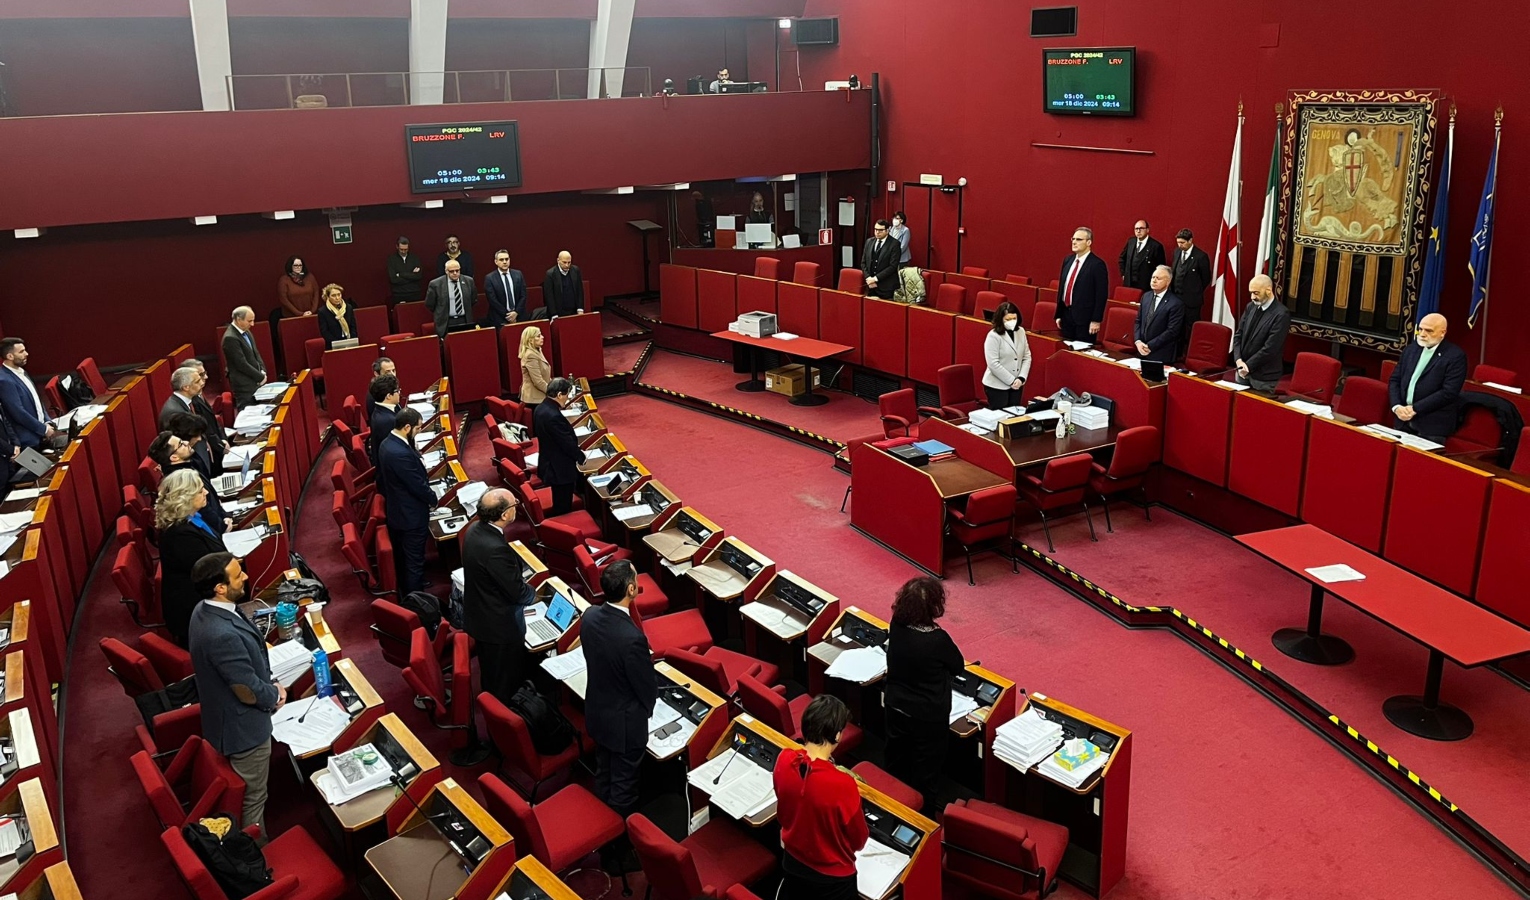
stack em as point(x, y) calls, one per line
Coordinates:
point(535, 372)
point(184, 538)
point(337, 319)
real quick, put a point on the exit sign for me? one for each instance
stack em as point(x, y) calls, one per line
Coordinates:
point(340, 234)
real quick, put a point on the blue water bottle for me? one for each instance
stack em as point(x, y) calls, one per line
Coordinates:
point(322, 686)
point(286, 620)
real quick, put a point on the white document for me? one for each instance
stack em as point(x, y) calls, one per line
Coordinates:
point(24, 493)
point(1491, 384)
point(15, 521)
point(662, 715)
point(628, 513)
point(531, 460)
point(419, 397)
point(1131, 362)
point(791, 241)
point(745, 790)
point(877, 868)
point(564, 666)
point(1336, 573)
point(759, 233)
point(860, 665)
point(1311, 409)
point(846, 213)
point(784, 336)
point(252, 419)
point(961, 704)
point(767, 617)
point(271, 390)
point(726, 223)
point(1078, 345)
point(233, 460)
point(288, 660)
point(1231, 385)
point(242, 542)
point(426, 410)
point(1075, 777)
point(322, 722)
point(1046, 415)
point(701, 776)
point(334, 795)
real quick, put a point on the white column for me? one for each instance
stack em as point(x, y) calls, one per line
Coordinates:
point(209, 34)
point(609, 35)
point(427, 51)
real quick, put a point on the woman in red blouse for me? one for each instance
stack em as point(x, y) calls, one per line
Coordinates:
point(819, 807)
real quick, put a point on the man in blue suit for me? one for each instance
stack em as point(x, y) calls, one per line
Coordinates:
point(405, 487)
point(506, 288)
point(559, 455)
point(1160, 316)
point(1425, 389)
point(387, 399)
point(621, 688)
point(19, 398)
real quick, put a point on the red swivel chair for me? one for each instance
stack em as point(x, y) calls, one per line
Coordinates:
point(223, 406)
point(989, 515)
point(1018, 279)
point(1521, 463)
point(360, 491)
point(1137, 449)
point(1365, 400)
point(350, 412)
point(1495, 374)
point(512, 741)
point(149, 476)
point(958, 395)
point(985, 302)
point(299, 866)
point(560, 541)
point(1001, 853)
point(1119, 331)
point(135, 507)
point(128, 534)
point(313, 353)
point(975, 271)
point(206, 783)
point(873, 775)
point(92, 375)
point(767, 267)
point(509, 410)
point(1053, 284)
point(1125, 293)
point(650, 599)
point(769, 705)
point(805, 272)
point(394, 628)
point(713, 859)
point(852, 281)
point(951, 298)
point(1209, 345)
point(155, 663)
point(139, 590)
point(1045, 317)
point(558, 832)
point(450, 710)
point(683, 630)
point(1387, 366)
point(579, 520)
point(900, 413)
point(1315, 377)
point(1062, 484)
point(55, 396)
point(372, 578)
point(340, 509)
point(719, 669)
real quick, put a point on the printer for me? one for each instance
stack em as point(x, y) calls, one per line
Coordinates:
point(757, 324)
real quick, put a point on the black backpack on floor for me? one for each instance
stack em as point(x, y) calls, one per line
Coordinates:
point(550, 732)
point(234, 860)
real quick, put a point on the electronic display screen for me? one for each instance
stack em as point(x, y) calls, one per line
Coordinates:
point(463, 156)
point(1089, 81)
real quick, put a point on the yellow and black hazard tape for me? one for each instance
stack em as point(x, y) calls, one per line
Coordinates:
point(1355, 736)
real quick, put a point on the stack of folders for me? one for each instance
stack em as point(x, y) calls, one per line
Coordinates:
point(252, 420)
point(270, 391)
point(289, 659)
point(1026, 740)
point(1073, 768)
point(936, 450)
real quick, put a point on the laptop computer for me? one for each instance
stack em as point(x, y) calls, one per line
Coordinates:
point(34, 462)
point(231, 482)
point(561, 614)
point(345, 344)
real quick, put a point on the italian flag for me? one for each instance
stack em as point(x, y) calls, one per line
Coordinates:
point(1264, 254)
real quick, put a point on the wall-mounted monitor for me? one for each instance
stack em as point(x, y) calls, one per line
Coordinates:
point(463, 156)
point(1090, 81)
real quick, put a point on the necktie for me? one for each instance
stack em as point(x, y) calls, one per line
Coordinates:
point(509, 291)
point(1072, 277)
point(878, 250)
point(457, 299)
point(250, 341)
point(1153, 311)
point(1423, 363)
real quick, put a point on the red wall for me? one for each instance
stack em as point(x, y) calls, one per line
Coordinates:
point(963, 98)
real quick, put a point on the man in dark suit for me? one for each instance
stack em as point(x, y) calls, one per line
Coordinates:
point(386, 397)
point(382, 365)
point(1261, 335)
point(234, 685)
point(621, 687)
point(186, 397)
point(558, 453)
point(494, 598)
point(405, 486)
point(173, 454)
point(1425, 388)
point(1192, 275)
point(562, 288)
point(404, 274)
point(20, 400)
point(506, 288)
point(246, 370)
point(1081, 290)
point(450, 300)
point(1142, 254)
point(1160, 316)
point(879, 261)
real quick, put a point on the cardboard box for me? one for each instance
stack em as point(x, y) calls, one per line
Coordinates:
point(788, 380)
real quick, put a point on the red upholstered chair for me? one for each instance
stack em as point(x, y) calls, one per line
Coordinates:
point(149, 476)
point(92, 375)
point(198, 783)
point(986, 302)
point(558, 832)
point(512, 741)
point(313, 352)
point(958, 397)
point(1001, 853)
point(559, 542)
point(579, 520)
point(509, 410)
point(139, 590)
point(1137, 449)
point(1045, 317)
point(1521, 463)
point(350, 412)
point(805, 272)
point(1209, 345)
point(1118, 331)
point(852, 281)
point(650, 599)
point(1479, 437)
point(1126, 294)
point(1018, 279)
point(989, 515)
point(300, 868)
point(769, 705)
point(683, 630)
point(951, 298)
point(767, 267)
point(1062, 484)
point(135, 507)
point(450, 710)
point(1365, 400)
point(1052, 284)
point(1387, 365)
point(128, 534)
point(355, 552)
point(975, 271)
point(54, 396)
point(900, 413)
point(223, 405)
point(713, 859)
point(153, 664)
point(1495, 374)
point(394, 627)
point(1315, 377)
point(718, 669)
point(873, 775)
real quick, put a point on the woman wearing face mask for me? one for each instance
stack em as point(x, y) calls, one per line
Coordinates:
point(1008, 356)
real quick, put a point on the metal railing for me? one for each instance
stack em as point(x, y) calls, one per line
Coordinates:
point(348, 89)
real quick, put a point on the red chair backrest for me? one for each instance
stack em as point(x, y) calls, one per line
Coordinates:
point(215, 786)
point(1209, 345)
point(975, 271)
point(851, 281)
point(196, 876)
point(1067, 473)
point(1045, 318)
point(162, 798)
point(1052, 284)
point(424, 671)
point(1120, 326)
point(350, 412)
point(1387, 365)
point(766, 705)
point(92, 375)
point(130, 535)
point(1136, 451)
point(133, 669)
point(900, 403)
point(986, 301)
point(990, 505)
point(387, 575)
point(1018, 279)
point(1000, 839)
point(352, 548)
point(1495, 374)
point(708, 672)
point(1479, 429)
point(805, 272)
point(132, 578)
point(395, 627)
point(1315, 375)
point(149, 476)
point(950, 298)
point(767, 267)
point(955, 384)
point(512, 474)
point(313, 351)
point(1521, 464)
point(509, 733)
point(670, 869)
point(530, 503)
point(55, 395)
point(508, 808)
point(1365, 401)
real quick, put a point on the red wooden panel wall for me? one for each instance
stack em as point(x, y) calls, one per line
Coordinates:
point(1348, 480)
point(884, 336)
point(1269, 446)
point(677, 295)
point(1197, 428)
point(715, 306)
point(1505, 572)
point(1435, 518)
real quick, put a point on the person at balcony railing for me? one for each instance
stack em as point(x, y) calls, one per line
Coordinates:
point(404, 274)
point(722, 79)
point(562, 289)
point(297, 290)
point(454, 251)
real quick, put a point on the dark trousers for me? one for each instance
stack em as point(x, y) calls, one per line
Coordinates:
point(916, 752)
point(616, 777)
point(999, 398)
point(1073, 330)
point(501, 668)
point(803, 883)
point(563, 499)
point(409, 557)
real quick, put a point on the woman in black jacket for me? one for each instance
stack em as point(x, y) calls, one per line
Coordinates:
point(337, 318)
point(184, 538)
point(921, 661)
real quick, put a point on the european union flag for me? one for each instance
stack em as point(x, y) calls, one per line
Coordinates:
point(1482, 239)
point(1434, 249)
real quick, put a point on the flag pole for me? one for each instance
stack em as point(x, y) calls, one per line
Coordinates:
point(1487, 277)
point(1232, 303)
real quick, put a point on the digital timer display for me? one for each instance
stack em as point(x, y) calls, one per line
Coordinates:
point(1090, 81)
point(463, 156)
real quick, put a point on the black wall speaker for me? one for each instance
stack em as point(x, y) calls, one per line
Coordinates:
point(1055, 21)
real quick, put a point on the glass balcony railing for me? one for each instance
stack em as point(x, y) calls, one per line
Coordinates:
point(417, 88)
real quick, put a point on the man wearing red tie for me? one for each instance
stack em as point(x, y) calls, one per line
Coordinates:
point(1081, 290)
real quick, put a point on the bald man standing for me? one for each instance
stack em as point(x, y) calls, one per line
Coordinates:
point(494, 597)
point(1425, 390)
point(562, 289)
point(1261, 336)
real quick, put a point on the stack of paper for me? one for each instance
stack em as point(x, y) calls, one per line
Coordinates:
point(309, 724)
point(1311, 409)
point(1026, 740)
point(1403, 437)
point(564, 666)
point(469, 495)
point(859, 665)
point(433, 458)
point(426, 410)
point(252, 420)
point(349, 775)
point(961, 704)
point(419, 397)
point(1078, 345)
point(877, 868)
point(289, 659)
point(744, 788)
point(628, 513)
point(987, 419)
point(80, 415)
point(271, 390)
point(1072, 778)
point(235, 458)
point(15, 521)
point(244, 541)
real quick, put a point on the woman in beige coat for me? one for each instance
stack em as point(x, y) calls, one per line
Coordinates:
point(535, 372)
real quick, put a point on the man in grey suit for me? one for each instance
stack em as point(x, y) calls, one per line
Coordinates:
point(1256, 348)
point(186, 397)
point(246, 370)
point(234, 686)
point(450, 300)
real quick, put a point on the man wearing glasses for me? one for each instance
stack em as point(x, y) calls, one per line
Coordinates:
point(1142, 254)
point(879, 261)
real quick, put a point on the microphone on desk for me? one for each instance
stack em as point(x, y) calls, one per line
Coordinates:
point(308, 710)
point(724, 769)
point(450, 829)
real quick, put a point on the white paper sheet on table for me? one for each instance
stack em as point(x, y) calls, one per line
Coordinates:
point(531, 460)
point(877, 867)
point(628, 513)
point(1078, 345)
point(1336, 573)
point(233, 460)
point(24, 493)
point(323, 720)
point(242, 542)
point(271, 390)
point(961, 704)
point(1231, 385)
point(1313, 409)
point(564, 666)
point(746, 789)
point(1503, 387)
point(860, 665)
point(15, 521)
point(419, 396)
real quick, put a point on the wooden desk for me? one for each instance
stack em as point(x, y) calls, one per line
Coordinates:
point(720, 580)
point(370, 810)
point(747, 731)
point(530, 880)
point(863, 697)
point(956, 478)
point(56, 883)
point(671, 544)
point(28, 799)
point(605, 451)
point(1450, 626)
point(809, 350)
point(650, 489)
point(418, 864)
point(711, 724)
point(921, 878)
